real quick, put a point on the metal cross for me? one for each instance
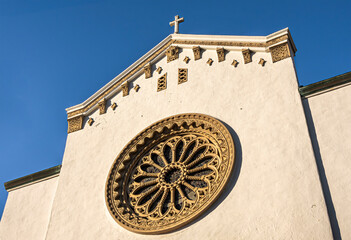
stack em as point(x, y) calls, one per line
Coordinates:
point(176, 22)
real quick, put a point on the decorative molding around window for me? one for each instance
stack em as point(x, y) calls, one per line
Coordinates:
point(182, 75)
point(170, 173)
point(162, 83)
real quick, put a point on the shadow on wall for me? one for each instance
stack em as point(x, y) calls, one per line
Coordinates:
point(233, 178)
point(323, 178)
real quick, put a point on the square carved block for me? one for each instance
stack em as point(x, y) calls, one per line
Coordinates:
point(75, 124)
point(280, 52)
point(172, 53)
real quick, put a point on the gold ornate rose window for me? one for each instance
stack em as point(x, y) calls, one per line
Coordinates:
point(170, 173)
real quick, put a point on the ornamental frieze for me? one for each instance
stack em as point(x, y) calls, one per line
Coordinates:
point(172, 53)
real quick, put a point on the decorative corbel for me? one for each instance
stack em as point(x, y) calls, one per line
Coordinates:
point(172, 53)
point(247, 55)
point(220, 54)
point(125, 89)
point(102, 106)
point(147, 70)
point(197, 53)
point(75, 124)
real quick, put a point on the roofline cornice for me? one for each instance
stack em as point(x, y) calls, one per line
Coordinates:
point(325, 85)
point(32, 178)
point(121, 75)
point(279, 39)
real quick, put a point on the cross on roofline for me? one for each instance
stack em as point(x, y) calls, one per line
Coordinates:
point(176, 22)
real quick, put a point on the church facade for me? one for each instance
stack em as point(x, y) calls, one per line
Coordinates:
point(204, 137)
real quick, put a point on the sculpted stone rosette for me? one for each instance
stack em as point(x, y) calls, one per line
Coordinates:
point(170, 173)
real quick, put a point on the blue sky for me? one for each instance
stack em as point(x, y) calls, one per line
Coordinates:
point(55, 54)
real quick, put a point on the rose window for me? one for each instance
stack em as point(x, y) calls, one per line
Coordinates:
point(170, 173)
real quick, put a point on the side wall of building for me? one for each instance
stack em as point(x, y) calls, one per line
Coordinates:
point(329, 118)
point(27, 211)
point(274, 190)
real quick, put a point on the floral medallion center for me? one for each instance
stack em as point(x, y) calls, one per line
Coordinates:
point(172, 175)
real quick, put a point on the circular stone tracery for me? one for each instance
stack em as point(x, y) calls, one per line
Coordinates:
point(170, 173)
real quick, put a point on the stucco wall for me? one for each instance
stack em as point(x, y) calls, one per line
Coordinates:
point(331, 114)
point(274, 192)
point(27, 211)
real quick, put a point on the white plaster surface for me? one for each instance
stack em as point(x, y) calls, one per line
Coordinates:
point(274, 192)
point(27, 211)
point(331, 113)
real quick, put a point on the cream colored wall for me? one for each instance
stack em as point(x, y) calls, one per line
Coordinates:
point(274, 192)
point(27, 211)
point(331, 114)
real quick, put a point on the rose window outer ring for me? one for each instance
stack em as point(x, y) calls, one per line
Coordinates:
point(170, 173)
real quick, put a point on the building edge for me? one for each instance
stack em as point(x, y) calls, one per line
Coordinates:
point(33, 178)
point(325, 85)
